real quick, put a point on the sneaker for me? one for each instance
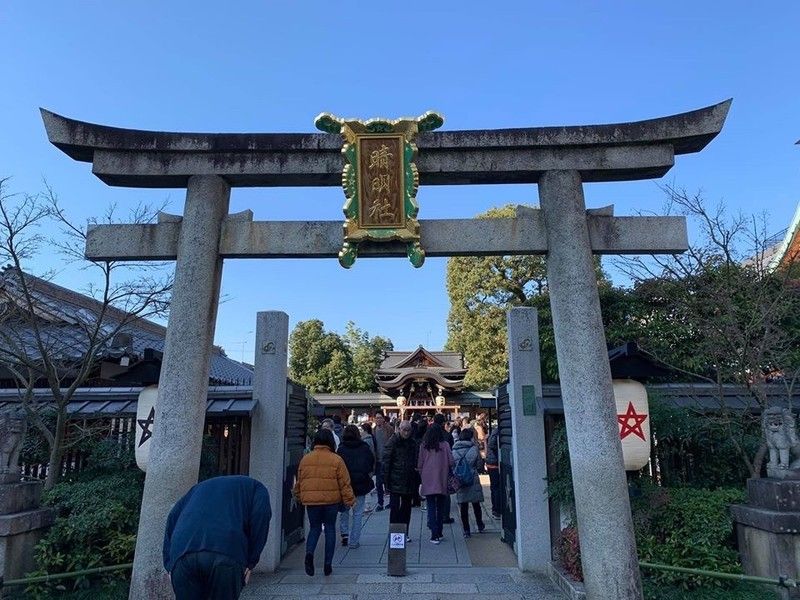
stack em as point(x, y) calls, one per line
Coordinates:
point(435, 541)
point(345, 539)
point(379, 508)
point(408, 539)
point(481, 528)
point(496, 515)
point(309, 564)
point(467, 534)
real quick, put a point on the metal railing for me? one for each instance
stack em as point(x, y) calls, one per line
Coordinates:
point(781, 581)
point(55, 576)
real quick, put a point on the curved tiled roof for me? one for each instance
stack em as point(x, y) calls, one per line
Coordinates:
point(65, 314)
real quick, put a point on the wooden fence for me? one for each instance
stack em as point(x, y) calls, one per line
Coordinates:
point(227, 444)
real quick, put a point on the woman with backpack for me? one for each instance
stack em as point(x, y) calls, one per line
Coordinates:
point(465, 459)
point(360, 463)
point(434, 465)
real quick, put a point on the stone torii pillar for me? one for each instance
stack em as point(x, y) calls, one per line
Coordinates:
point(608, 550)
point(183, 385)
point(559, 159)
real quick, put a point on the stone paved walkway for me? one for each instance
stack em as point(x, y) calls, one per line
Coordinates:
point(421, 583)
point(434, 571)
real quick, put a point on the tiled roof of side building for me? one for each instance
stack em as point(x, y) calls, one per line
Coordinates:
point(63, 311)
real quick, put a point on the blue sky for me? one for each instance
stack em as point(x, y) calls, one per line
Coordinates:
point(273, 66)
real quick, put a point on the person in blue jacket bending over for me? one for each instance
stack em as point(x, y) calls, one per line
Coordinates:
point(214, 537)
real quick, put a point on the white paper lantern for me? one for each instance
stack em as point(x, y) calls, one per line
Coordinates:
point(633, 421)
point(145, 415)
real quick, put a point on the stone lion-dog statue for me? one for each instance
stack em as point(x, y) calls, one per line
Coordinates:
point(780, 434)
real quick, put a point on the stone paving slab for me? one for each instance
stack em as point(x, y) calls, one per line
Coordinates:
point(494, 597)
point(385, 589)
point(378, 597)
point(486, 583)
point(316, 597)
point(299, 576)
point(409, 578)
point(467, 576)
point(493, 588)
point(439, 588)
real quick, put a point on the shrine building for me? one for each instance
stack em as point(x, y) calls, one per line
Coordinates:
point(420, 381)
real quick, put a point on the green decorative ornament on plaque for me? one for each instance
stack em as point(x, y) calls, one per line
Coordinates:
point(380, 181)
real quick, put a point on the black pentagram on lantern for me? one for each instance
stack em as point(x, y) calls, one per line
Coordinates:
point(146, 424)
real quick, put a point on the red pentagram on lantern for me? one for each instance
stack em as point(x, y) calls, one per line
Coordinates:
point(625, 421)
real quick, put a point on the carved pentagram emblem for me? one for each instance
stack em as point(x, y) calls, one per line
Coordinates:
point(526, 345)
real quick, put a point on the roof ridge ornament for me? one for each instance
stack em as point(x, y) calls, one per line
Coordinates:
point(380, 181)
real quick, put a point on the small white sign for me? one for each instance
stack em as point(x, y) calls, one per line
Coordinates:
point(397, 540)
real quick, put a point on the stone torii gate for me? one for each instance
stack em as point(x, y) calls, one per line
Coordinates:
point(559, 159)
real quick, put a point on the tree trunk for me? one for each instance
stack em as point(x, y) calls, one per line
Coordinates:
point(56, 452)
point(758, 460)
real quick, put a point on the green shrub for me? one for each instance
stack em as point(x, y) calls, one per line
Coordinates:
point(739, 591)
point(559, 486)
point(686, 527)
point(702, 450)
point(97, 513)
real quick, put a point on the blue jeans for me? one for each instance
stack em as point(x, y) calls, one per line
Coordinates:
point(324, 514)
point(437, 506)
point(379, 482)
point(344, 521)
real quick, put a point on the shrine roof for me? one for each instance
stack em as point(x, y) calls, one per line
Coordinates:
point(435, 359)
point(64, 313)
point(787, 251)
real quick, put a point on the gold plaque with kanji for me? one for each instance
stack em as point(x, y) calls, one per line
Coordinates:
point(380, 181)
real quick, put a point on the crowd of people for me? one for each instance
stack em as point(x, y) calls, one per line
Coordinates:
point(424, 461)
point(213, 557)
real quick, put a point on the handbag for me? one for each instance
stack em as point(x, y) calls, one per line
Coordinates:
point(453, 483)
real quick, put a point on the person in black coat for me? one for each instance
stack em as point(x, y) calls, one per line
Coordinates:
point(400, 473)
point(418, 434)
point(360, 464)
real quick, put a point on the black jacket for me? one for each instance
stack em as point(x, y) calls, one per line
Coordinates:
point(493, 448)
point(400, 465)
point(360, 463)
